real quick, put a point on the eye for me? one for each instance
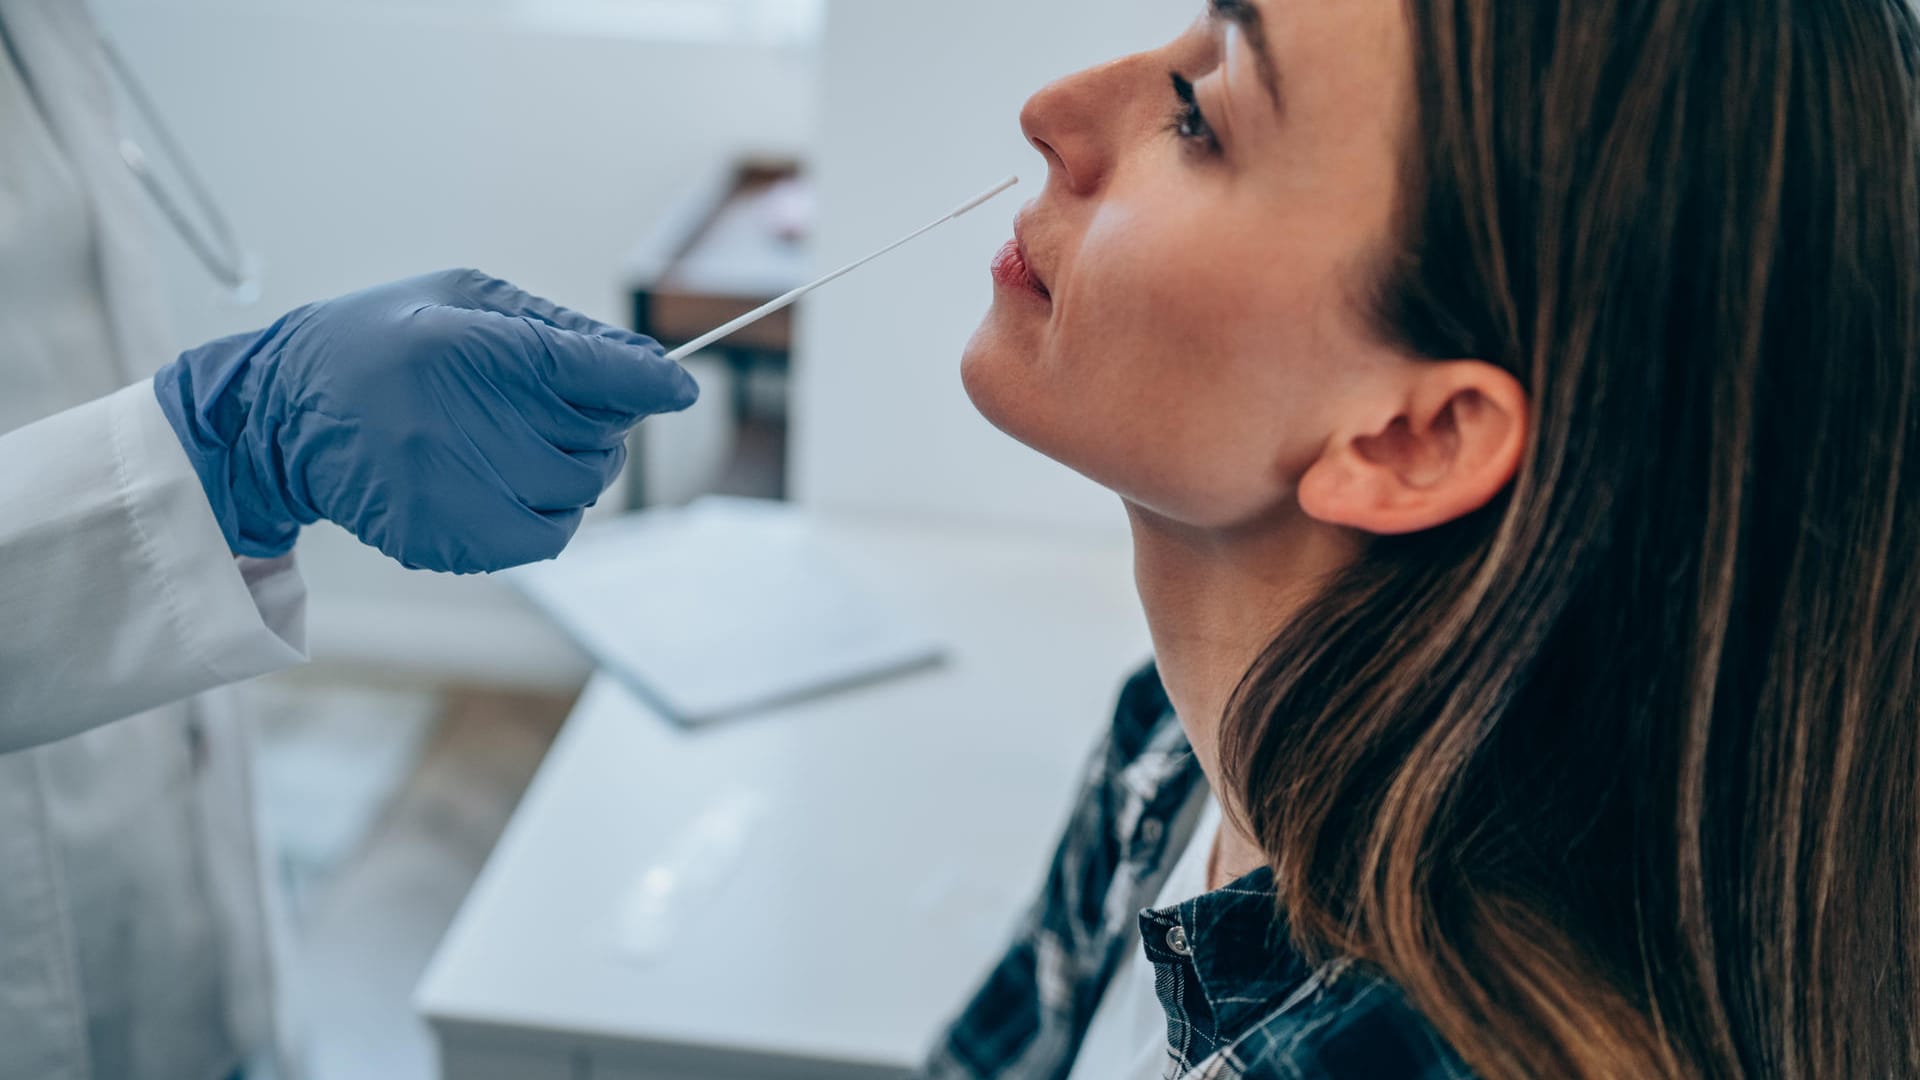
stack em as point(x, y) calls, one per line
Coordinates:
point(1189, 122)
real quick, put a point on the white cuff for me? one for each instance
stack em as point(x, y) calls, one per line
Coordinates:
point(238, 617)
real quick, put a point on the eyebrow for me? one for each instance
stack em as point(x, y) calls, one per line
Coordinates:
point(1245, 15)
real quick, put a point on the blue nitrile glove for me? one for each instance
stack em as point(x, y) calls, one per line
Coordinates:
point(452, 421)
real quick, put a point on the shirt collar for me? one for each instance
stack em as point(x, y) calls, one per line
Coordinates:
point(1235, 941)
point(1234, 945)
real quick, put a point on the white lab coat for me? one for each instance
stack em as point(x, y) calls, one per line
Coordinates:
point(134, 939)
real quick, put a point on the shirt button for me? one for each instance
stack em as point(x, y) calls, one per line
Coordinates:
point(1150, 831)
point(1177, 941)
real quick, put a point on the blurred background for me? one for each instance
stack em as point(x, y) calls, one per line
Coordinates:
point(656, 163)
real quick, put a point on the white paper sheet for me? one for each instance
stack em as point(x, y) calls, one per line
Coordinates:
point(721, 608)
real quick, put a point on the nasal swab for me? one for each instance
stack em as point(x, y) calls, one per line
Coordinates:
point(772, 306)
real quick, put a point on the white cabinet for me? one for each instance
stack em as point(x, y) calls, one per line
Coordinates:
point(900, 830)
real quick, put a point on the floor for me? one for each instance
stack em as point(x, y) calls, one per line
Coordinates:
point(366, 926)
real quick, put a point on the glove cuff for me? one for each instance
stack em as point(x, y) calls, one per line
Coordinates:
point(251, 513)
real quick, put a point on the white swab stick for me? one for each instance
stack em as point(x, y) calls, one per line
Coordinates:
point(772, 306)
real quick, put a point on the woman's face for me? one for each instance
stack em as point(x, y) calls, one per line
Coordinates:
point(1183, 318)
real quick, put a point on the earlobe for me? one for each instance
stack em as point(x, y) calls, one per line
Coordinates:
point(1442, 443)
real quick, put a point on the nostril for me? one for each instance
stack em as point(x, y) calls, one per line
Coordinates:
point(1059, 122)
point(1056, 162)
point(1034, 121)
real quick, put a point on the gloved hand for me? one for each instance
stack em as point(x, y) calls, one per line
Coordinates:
point(452, 421)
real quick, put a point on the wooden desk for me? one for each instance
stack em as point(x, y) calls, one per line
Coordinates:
point(907, 826)
point(726, 248)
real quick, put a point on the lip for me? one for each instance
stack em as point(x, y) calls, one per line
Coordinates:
point(1014, 270)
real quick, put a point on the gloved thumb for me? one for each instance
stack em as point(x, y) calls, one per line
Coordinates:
point(592, 371)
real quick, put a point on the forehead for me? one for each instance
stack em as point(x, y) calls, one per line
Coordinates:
point(1335, 36)
point(1347, 67)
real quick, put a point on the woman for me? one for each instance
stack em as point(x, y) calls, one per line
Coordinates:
point(1515, 406)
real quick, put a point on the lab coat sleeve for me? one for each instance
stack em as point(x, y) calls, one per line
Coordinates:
point(118, 593)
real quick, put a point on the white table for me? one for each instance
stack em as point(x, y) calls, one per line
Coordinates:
point(901, 830)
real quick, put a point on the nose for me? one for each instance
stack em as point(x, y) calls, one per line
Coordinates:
point(1072, 121)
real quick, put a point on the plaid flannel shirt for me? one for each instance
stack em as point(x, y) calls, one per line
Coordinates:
point(1240, 1001)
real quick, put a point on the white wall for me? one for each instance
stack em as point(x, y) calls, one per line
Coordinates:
point(919, 109)
point(355, 142)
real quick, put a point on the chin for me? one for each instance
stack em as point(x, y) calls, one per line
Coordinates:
point(987, 372)
point(1010, 387)
point(1007, 388)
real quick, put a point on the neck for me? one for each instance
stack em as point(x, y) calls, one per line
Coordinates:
point(1214, 600)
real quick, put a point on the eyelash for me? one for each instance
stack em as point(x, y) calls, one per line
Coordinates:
point(1189, 123)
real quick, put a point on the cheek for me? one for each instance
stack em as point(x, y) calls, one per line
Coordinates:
point(1165, 370)
point(1079, 381)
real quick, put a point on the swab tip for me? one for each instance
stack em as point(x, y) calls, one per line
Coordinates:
point(985, 196)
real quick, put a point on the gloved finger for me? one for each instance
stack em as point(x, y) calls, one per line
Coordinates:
point(468, 531)
point(489, 293)
point(458, 506)
point(605, 376)
point(514, 535)
point(561, 525)
point(609, 462)
point(541, 473)
point(525, 536)
point(557, 481)
point(546, 478)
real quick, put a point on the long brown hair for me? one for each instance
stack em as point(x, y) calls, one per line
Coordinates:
point(1617, 777)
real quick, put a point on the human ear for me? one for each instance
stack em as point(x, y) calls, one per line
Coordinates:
point(1439, 441)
